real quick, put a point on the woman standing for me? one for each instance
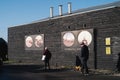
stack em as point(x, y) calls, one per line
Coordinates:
point(47, 54)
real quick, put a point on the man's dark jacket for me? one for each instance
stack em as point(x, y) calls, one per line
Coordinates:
point(84, 52)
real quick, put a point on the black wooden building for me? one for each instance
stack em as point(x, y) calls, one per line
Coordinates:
point(101, 22)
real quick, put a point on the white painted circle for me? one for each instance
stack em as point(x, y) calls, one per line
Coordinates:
point(85, 37)
point(68, 39)
point(38, 41)
point(29, 41)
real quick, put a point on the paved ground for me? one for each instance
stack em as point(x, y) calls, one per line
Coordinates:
point(35, 72)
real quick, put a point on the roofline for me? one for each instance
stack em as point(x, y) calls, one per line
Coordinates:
point(81, 11)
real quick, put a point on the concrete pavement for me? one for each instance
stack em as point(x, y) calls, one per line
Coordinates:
point(37, 72)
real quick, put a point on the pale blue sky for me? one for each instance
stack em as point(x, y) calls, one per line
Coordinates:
point(18, 12)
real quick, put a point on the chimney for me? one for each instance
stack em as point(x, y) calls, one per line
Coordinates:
point(69, 7)
point(51, 12)
point(60, 10)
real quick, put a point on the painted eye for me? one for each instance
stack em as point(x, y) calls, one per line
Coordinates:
point(68, 39)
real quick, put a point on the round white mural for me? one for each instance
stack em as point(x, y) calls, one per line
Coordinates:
point(68, 39)
point(38, 41)
point(85, 37)
point(29, 41)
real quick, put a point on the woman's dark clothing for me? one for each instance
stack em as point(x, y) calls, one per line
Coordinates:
point(84, 59)
point(47, 54)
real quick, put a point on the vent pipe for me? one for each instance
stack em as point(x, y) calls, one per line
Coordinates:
point(60, 10)
point(51, 12)
point(69, 7)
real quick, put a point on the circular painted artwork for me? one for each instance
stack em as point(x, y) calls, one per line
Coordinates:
point(68, 39)
point(29, 41)
point(38, 41)
point(85, 37)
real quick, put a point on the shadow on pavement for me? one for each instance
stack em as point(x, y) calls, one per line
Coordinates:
point(28, 68)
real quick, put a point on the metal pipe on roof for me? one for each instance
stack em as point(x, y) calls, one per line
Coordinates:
point(51, 12)
point(60, 10)
point(69, 7)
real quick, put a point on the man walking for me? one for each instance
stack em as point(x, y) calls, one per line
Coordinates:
point(84, 58)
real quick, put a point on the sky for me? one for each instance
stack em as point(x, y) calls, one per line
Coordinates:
point(18, 12)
